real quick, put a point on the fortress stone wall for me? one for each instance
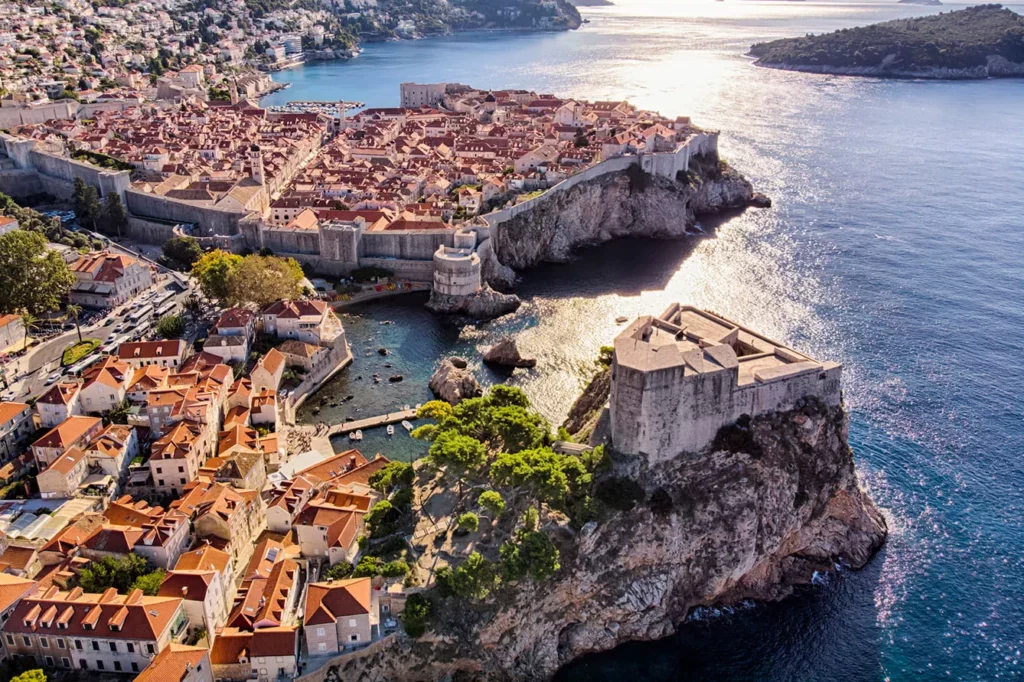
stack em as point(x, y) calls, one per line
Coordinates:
point(679, 377)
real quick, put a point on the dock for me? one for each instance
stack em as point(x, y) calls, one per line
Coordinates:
point(371, 422)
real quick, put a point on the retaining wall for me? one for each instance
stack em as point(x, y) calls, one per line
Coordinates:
point(402, 244)
point(20, 183)
point(11, 117)
point(211, 221)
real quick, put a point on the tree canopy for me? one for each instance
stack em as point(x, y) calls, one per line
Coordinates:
point(183, 252)
point(212, 272)
point(32, 277)
point(122, 573)
point(263, 280)
point(34, 675)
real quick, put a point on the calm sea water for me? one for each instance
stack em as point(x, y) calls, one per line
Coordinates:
point(895, 246)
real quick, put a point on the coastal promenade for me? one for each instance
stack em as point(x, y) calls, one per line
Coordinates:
point(371, 422)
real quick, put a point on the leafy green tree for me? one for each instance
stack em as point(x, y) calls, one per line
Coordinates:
point(339, 571)
point(416, 615)
point(395, 569)
point(87, 203)
point(457, 454)
point(183, 251)
point(170, 326)
point(368, 567)
point(73, 312)
point(212, 271)
point(531, 554)
point(492, 502)
point(29, 322)
point(263, 280)
point(122, 573)
point(34, 675)
point(381, 519)
point(474, 579)
point(150, 582)
point(114, 216)
point(32, 277)
point(392, 476)
point(468, 522)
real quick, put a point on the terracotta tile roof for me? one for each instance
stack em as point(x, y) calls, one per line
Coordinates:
point(171, 664)
point(96, 615)
point(361, 474)
point(299, 349)
point(334, 466)
point(109, 372)
point(191, 585)
point(272, 361)
point(13, 588)
point(113, 539)
point(276, 641)
point(66, 462)
point(60, 394)
point(296, 309)
point(67, 432)
point(231, 646)
point(234, 318)
point(103, 266)
point(203, 558)
point(151, 349)
point(9, 410)
point(327, 602)
point(74, 535)
point(148, 378)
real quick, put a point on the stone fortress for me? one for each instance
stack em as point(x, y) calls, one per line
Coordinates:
point(679, 377)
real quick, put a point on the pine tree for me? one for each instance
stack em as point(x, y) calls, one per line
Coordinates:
point(114, 216)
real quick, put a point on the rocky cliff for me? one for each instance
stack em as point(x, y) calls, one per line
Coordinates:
point(627, 204)
point(772, 501)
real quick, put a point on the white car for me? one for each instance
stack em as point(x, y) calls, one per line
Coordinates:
point(53, 378)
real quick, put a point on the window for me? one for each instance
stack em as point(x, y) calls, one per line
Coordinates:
point(49, 661)
point(160, 482)
point(131, 647)
point(28, 642)
point(159, 470)
point(84, 663)
point(149, 648)
point(10, 639)
point(60, 643)
point(43, 642)
point(353, 638)
point(135, 667)
point(323, 646)
point(181, 469)
point(117, 666)
point(319, 632)
point(78, 644)
point(95, 645)
point(113, 647)
point(351, 622)
point(66, 661)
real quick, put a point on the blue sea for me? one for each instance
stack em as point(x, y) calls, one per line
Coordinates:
point(895, 246)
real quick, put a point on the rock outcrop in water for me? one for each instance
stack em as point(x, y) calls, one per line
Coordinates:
point(772, 501)
point(453, 382)
point(627, 204)
point(505, 353)
point(486, 304)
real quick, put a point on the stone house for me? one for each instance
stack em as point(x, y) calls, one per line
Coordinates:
point(140, 354)
point(106, 280)
point(12, 329)
point(16, 426)
point(339, 615)
point(76, 431)
point(175, 458)
point(165, 532)
point(104, 386)
point(58, 403)
point(229, 517)
point(98, 632)
point(268, 371)
point(179, 663)
point(204, 597)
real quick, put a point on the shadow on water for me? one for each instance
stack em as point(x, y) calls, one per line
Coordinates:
point(837, 625)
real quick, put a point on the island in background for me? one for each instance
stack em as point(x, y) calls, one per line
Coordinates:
point(986, 41)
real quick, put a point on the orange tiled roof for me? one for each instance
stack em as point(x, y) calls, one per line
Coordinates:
point(327, 602)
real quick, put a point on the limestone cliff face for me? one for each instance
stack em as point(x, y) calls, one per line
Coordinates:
point(627, 204)
point(771, 502)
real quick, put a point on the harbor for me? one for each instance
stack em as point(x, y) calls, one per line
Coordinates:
point(335, 109)
point(406, 415)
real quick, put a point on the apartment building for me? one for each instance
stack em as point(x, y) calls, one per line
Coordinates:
point(339, 615)
point(16, 426)
point(58, 403)
point(106, 280)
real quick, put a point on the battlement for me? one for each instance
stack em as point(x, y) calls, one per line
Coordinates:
point(679, 377)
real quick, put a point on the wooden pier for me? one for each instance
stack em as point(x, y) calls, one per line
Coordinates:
point(371, 422)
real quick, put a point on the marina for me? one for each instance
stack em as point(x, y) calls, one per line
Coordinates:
point(335, 109)
point(356, 427)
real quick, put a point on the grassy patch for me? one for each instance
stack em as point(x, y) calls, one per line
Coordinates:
point(79, 350)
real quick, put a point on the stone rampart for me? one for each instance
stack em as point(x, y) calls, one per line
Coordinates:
point(20, 183)
point(12, 117)
point(211, 221)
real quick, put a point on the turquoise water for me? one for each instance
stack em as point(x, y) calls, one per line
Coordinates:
point(894, 246)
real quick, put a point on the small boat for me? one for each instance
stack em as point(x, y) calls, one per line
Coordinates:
point(407, 425)
point(356, 435)
point(406, 407)
point(391, 429)
point(395, 378)
point(622, 319)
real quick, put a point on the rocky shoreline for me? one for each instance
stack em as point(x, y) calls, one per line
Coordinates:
point(614, 206)
point(770, 504)
point(997, 67)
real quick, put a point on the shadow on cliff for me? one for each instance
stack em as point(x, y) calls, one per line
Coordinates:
point(830, 630)
point(627, 266)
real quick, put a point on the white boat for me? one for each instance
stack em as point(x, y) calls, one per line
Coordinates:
point(359, 435)
point(407, 425)
point(406, 408)
point(391, 429)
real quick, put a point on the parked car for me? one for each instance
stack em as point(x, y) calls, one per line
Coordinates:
point(52, 379)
